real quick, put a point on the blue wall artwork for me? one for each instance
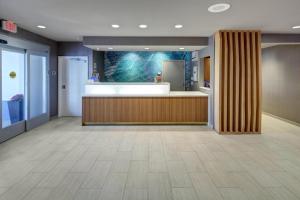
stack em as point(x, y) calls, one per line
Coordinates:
point(142, 66)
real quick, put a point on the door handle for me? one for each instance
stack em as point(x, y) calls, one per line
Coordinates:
point(63, 87)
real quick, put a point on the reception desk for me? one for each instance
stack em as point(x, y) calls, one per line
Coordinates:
point(142, 103)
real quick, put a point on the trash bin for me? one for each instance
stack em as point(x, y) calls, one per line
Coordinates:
point(16, 108)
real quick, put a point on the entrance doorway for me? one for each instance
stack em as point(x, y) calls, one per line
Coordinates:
point(23, 90)
point(72, 77)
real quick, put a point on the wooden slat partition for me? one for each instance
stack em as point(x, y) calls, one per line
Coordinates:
point(238, 70)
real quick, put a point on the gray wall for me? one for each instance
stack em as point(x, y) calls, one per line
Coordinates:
point(281, 81)
point(98, 60)
point(26, 35)
point(95, 58)
point(76, 49)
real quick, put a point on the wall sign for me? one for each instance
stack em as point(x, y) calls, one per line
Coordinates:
point(12, 74)
point(9, 26)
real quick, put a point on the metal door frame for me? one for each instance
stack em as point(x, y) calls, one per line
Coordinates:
point(43, 118)
point(19, 127)
point(24, 46)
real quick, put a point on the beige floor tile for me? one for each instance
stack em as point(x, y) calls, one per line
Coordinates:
point(140, 152)
point(233, 194)
point(135, 194)
point(85, 163)
point(38, 194)
point(250, 187)
point(281, 193)
point(204, 187)
point(192, 162)
point(56, 175)
point(68, 188)
point(96, 176)
point(87, 194)
point(157, 162)
point(113, 188)
point(178, 174)
point(2, 190)
point(63, 160)
point(219, 175)
point(22, 188)
point(138, 175)
point(289, 181)
point(76, 153)
point(159, 186)
point(184, 194)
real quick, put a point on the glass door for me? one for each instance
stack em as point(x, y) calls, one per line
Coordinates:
point(13, 101)
point(38, 111)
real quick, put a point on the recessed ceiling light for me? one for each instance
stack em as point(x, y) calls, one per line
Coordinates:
point(41, 26)
point(178, 26)
point(296, 27)
point(143, 26)
point(110, 48)
point(115, 25)
point(146, 48)
point(181, 48)
point(220, 7)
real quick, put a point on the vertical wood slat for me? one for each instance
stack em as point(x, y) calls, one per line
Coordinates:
point(259, 83)
point(237, 82)
point(248, 83)
point(240, 82)
point(156, 110)
point(224, 82)
point(231, 82)
point(254, 83)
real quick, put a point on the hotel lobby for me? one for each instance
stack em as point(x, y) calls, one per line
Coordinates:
point(149, 100)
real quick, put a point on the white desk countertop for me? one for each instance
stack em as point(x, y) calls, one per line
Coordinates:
point(136, 90)
point(171, 94)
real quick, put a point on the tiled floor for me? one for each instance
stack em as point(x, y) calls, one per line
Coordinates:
point(62, 160)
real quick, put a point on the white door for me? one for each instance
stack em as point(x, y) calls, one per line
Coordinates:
point(72, 76)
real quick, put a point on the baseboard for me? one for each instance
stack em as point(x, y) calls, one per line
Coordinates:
point(53, 117)
point(282, 119)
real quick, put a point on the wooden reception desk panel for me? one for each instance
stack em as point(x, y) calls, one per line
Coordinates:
point(145, 110)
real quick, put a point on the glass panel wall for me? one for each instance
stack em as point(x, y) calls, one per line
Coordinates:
point(37, 85)
point(13, 87)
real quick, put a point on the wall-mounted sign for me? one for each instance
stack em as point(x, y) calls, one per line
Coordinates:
point(9, 26)
point(12, 74)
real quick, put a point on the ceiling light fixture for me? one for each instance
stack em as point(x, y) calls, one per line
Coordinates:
point(178, 26)
point(181, 48)
point(98, 48)
point(143, 26)
point(41, 26)
point(115, 25)
point(296, 27)
point(110, 48)
point(220, 7)
point(146, 48)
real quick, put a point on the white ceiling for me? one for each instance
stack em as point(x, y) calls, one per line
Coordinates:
point(69, 20)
